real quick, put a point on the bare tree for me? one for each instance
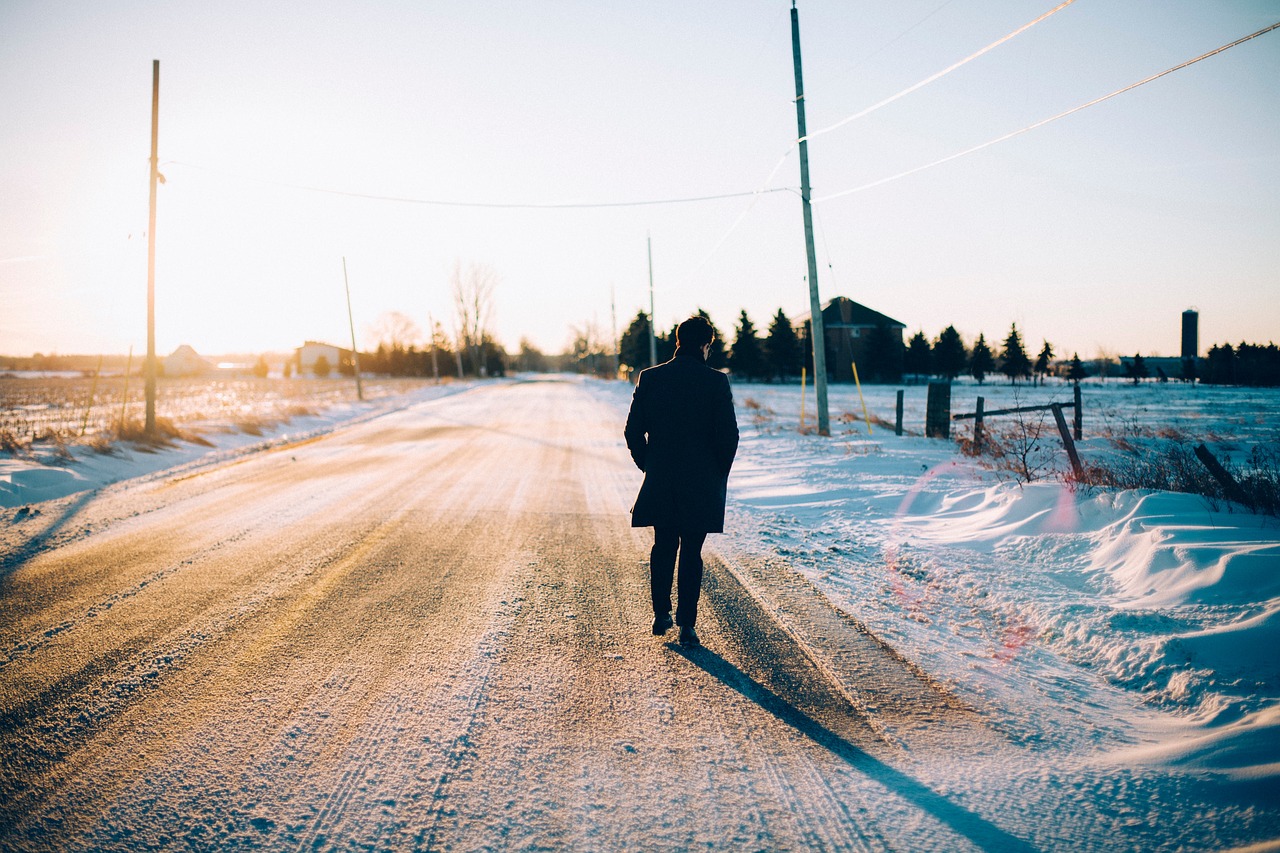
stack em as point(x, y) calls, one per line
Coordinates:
point(473, 290)
point(590, 349)
point(396, 331)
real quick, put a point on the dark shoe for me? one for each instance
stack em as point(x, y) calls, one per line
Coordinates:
point(661, 623)
point(688, 636)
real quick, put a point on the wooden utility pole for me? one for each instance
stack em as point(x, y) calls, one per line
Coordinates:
point(653, 339)
point(817, 337)
point(435, 361)
point(613, 316)
point(355, 353)
point(150, 427)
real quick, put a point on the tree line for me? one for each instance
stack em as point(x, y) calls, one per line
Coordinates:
point(778, 355)
point(1245, 364)
point(782, 351)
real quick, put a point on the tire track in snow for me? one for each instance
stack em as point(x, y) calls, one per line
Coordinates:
point(71, 712)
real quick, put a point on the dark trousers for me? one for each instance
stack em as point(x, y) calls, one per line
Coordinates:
point(662, 566)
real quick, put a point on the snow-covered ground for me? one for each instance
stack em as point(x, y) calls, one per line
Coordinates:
point(45, 472)
point(1132, 626)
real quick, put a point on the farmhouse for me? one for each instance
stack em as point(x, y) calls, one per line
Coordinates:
point(306, 356)
point(185, 361)
point(861, 335)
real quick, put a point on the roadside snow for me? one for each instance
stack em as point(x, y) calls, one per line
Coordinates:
point(1132, 626)
point(46, 474)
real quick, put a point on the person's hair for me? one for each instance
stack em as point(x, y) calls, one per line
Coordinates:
point(695, 332)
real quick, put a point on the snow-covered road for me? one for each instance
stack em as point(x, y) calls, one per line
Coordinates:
point(426, 631)
point(429, 631)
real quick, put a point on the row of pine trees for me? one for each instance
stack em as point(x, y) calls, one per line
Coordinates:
point(781, 353)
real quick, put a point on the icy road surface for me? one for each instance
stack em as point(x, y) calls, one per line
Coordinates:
point(430, 631)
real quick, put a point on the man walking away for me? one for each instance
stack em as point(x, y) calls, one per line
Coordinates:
point(683, 435)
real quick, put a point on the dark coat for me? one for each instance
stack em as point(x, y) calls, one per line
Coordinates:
point(683, 435)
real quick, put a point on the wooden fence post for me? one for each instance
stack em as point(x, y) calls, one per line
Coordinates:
point(977, 426)
point(1067, 442)
point(1229, 485)
point(1077, 417)
point(897, 420)
point(937, 417)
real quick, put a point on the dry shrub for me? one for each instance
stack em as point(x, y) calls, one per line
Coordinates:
point(10, 443)
point(57, 442)
point(1020, 446)
point(1260, 479)
point(101, 444)
point(253, 426)
point(1169, 468)
point(761, 415)
point(1174, 467)
point(166, 435)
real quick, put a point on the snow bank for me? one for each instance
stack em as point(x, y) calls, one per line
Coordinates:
point(45, 474)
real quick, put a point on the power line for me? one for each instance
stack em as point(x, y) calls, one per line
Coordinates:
point(764, 187)
point(944, 72)
point(477, 204)
point(1053, 118)
point(895, 39)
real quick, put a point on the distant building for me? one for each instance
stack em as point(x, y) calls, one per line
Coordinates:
point(861, 335)
point(306, 356)
point(185, 361)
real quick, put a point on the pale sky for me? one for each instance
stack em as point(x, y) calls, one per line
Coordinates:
point(1095, 231)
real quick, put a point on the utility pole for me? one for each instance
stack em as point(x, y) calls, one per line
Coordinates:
point(653, 340)
point(355, 353)
point(817, 337)
point(150, 427)
point(435, 361)
point(613, 311)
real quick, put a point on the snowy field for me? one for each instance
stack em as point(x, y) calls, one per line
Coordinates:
point(230, 417)
point(77, 407)
point(1099, 629)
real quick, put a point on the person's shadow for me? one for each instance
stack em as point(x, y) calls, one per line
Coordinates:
point(981, 832)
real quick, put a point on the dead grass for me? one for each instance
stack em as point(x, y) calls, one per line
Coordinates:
point(167, 434)
point(10, 443)
point(1172, 466)
point(762, 417)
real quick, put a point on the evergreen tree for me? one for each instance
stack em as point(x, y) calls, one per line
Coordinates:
point(746, 360)
point(919, 357)
point(806, 348)
point(716, 358)
point(982, 361)
point(782, 348)
point(634, 347)
point(949, 357)
point(1044, 361)
point(260, 368)
point(1014, 361)
point(667, 344)
point(1137, 369)
point(1076, 371)
point(322, 367)
point(1221, 367)
point(884, 355)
